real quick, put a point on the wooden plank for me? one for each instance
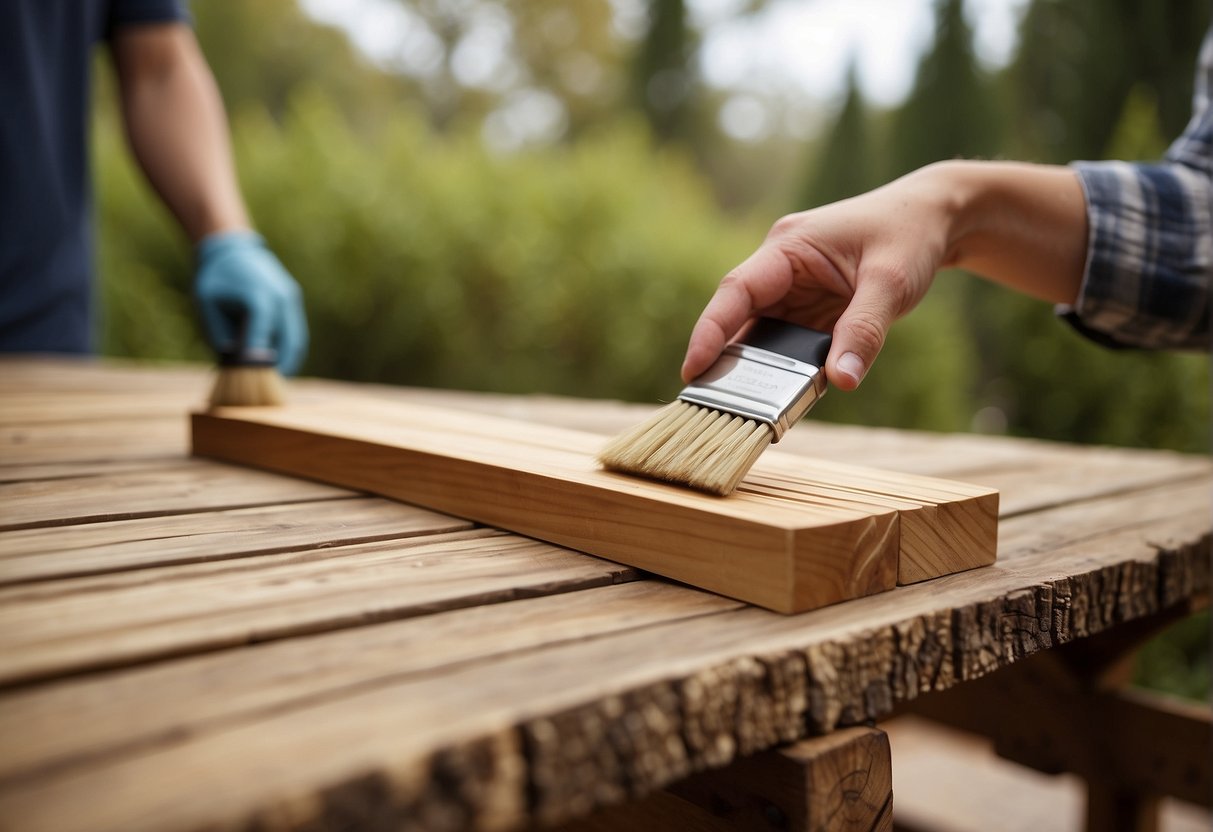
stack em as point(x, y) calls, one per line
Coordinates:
point(27, 444)
point(1031, 474)
point(73, 723)
point(69, 470)
point(98, 548)
point(191, 485)
point(944, 527)
point(73, 625)
point(86, 406)
point(70, 374)
point(629, 710)
point(841, 781)
point(784, 543)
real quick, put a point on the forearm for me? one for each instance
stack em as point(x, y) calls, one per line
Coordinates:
point(1021, 225)
point(177, 128)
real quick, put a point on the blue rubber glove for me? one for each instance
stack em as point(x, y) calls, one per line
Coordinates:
point(248, 300)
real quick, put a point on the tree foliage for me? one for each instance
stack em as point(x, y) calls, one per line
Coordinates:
point(577, 265)
point(949, 112)
point(844, 167)
point(1078, 61)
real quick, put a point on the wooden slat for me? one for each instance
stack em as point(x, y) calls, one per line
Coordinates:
point(41, 408)
point(627, 710)
point(783, 541)
point(191, 485)
point(70, 724)
point(92, 441)
point(69, 470)
point(97, 548)
point(944, 526)
point(82, 624)
point(24, 374)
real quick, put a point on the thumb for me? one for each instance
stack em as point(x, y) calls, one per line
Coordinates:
point(860, 332)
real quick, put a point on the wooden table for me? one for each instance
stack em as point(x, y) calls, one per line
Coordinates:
point(186, 644)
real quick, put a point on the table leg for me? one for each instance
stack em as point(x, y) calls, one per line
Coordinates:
point(1066, 710)
point(1115, 809)
point(841, 781)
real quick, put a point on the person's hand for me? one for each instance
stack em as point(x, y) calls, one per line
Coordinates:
point(852, 267)
point(248, 300)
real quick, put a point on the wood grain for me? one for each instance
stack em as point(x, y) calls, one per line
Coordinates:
point(944, 526)
point(786, 541)
point(27, 444)
point(191, 485)
point(421, 704)
point(80, 624)
point(618, 711)
point(105, 716)
point(840, 782)
point(48, 553)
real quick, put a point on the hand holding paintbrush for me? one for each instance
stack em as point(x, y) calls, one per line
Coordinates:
point(253, 313)
point(853, 268)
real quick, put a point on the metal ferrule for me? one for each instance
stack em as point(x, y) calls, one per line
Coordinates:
point(757, 384)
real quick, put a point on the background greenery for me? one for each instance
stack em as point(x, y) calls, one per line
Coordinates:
point(433, 252)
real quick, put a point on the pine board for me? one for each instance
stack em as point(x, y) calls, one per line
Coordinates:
point(77, 624)
point(786, 541)
point(54, 552)
point(189, 485)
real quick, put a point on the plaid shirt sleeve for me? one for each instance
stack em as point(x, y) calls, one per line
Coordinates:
point(1149, 268)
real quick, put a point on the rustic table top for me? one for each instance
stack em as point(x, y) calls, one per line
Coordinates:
point(187, 644)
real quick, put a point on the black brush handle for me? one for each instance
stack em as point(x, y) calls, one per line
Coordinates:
point(792, 340)
point(241, 354)
point(249, 357)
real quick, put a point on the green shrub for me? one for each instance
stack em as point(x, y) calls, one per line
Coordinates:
point(579, 269)
point(425, 259)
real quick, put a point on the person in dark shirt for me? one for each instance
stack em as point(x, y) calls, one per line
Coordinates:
point(178, 132)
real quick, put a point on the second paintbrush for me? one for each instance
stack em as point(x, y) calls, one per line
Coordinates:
point(724, 419)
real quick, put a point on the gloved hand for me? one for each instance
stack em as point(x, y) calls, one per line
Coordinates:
point(248, 300)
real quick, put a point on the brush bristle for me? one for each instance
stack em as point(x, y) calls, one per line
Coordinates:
point(247, 387)
point(691, 445)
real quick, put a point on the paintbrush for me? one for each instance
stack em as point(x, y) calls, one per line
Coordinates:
point(712, 435)
point(248, 377)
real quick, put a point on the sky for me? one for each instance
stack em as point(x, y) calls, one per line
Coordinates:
point(810, 43)
point(798, 49)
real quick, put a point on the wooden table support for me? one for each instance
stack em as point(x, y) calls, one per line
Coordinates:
point(840, 782)
point(1068, 710)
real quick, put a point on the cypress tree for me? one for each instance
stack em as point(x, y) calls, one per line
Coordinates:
point(663, 81)
point(844, 168)
point(949, 111)
point(1078, 60)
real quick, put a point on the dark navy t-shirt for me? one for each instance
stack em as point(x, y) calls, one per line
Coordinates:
point(45, 238)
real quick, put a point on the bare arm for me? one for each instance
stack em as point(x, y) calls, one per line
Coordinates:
point(1021, 225)
point(858, 265)
point(177, 127)
point(179, 133)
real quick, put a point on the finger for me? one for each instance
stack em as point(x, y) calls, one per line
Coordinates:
point(860, 330)
point(762, 280)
